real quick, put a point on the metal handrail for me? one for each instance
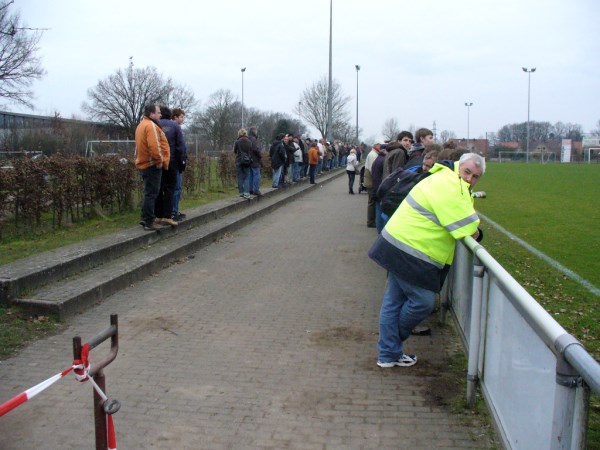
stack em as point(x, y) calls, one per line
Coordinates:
point(548, 329)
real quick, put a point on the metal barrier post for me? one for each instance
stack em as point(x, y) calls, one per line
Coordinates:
point(570, 415)
point(475, 333)
point(101, 408)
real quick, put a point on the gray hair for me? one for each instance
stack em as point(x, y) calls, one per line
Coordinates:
point(476, 158)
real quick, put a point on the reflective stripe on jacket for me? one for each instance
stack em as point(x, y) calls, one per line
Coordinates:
point(417, 244)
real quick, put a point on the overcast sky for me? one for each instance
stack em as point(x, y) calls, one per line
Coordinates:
point(420, 60)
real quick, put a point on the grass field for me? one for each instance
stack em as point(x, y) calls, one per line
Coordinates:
point(556, 209)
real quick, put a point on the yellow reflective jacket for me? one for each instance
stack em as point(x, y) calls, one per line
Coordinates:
point(417, 244)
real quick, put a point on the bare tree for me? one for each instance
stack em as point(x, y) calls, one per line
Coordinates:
point(219, 120)
point(312, 106)
point(446, 135)
point(391, 129)
point(19, 63)
point(120, 98)
point(178, 96)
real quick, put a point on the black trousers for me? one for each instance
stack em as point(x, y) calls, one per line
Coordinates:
point(164, 202)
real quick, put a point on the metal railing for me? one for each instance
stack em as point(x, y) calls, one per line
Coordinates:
point(534, 376)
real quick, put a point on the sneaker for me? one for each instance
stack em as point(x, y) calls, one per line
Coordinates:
point(152, 227)
point(258, 194)
point(404, 361)
point(169, 222)
point(246, 196)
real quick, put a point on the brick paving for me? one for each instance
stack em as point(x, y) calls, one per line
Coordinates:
point(265, 339)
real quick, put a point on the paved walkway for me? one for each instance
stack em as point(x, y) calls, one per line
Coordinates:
point(265, 339)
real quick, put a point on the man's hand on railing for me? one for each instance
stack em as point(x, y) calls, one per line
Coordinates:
point(478, 235)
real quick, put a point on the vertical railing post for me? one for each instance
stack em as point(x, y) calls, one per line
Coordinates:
point(99, 414)
point(475, 332)
point(570, 402)
point(97, 372)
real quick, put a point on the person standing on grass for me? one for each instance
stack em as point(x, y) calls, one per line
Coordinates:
point(416, 247)
point(152, 154)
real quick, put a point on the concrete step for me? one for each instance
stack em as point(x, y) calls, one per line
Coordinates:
point(103, 272)
point(30, 273)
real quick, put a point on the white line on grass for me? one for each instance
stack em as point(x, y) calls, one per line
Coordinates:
point(585, 283)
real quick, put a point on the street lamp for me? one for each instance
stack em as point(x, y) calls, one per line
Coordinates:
point(468, 105)
point(299, 109)
point(243, 70)
point(357, 69)
point(329, 134)
point(529, 71)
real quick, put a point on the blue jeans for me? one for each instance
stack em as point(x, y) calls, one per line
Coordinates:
point(243, 178)
point(296, 173)
point(151, 178)
point(277, 176)
point(255, 179)
point(320, 167)
point(351, 176)
point(404, 306)
point(177, 193)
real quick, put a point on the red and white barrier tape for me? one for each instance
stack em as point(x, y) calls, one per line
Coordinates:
point(81, 369)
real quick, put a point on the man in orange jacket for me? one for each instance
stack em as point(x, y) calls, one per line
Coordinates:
point(152, 154)
point(313, 161)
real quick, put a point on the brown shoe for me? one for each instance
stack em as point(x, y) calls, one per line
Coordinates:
point(154, 226)
point(168, 222)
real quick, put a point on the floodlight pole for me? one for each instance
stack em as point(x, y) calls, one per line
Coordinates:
point(529, 71)
point(468, 105)
point(243, 70)
point(329, 134)
point(357, 69)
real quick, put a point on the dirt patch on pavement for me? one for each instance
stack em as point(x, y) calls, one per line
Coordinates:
point(139, 325)
point(338, 336)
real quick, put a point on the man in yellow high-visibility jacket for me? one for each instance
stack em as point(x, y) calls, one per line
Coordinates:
point(417, 248)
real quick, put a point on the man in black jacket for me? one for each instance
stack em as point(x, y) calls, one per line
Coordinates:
point(278, 157)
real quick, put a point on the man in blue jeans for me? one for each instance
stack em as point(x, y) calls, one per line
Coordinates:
point(416, 247)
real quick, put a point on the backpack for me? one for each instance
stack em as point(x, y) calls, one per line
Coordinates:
point(394, 189)
point(401, 183)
